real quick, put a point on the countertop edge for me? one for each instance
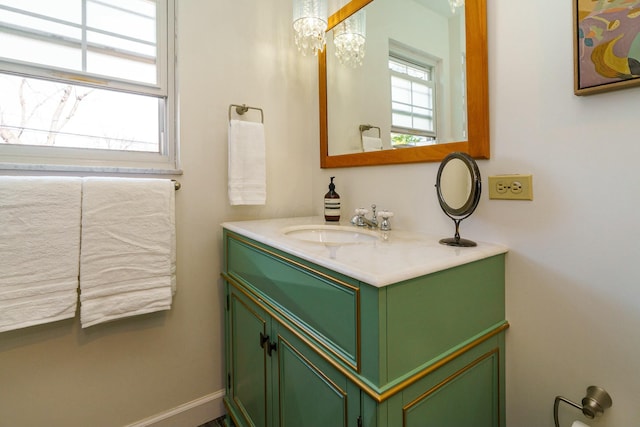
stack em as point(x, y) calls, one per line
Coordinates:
point(266, 231)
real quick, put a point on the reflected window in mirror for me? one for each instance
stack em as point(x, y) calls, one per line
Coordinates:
point(413, 101)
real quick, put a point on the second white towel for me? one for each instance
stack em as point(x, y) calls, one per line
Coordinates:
point(247, 163)
point(127, 248)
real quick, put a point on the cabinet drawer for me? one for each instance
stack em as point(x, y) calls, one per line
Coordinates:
point(324, 307)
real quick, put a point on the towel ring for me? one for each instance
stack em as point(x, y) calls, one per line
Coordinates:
point(241, 109)
point(364, 128)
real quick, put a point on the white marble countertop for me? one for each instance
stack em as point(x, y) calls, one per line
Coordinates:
point(399, 255)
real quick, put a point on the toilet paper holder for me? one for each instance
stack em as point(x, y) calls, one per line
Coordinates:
point(593, 404)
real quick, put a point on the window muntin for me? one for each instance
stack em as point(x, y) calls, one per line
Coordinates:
point(80, 78)
point(83, 36)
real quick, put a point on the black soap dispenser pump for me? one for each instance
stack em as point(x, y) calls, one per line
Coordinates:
point(332, 203)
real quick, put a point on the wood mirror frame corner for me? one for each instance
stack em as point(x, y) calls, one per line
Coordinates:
point(477, 145)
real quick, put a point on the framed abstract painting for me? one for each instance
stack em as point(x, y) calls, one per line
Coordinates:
point(606, 45)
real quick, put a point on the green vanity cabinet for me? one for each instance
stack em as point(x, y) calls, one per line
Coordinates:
point(308, 346)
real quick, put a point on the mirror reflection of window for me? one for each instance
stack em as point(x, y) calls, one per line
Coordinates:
point(413, 99)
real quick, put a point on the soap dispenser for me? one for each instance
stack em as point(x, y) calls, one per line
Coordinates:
point(332, 203)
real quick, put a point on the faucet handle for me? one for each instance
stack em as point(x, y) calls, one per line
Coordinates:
point(385, 224)
point(358, 219)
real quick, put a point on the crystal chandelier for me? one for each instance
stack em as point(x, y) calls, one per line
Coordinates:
point(455, 4)
point(310, 25)
point(349, 37)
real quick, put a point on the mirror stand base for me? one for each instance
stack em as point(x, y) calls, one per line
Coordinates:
point(457, 241)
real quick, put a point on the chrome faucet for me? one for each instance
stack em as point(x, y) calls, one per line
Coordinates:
point(360, 219)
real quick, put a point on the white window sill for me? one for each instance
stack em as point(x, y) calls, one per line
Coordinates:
point(8, 167)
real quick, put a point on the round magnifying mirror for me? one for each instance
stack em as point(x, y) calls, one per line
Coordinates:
point(458, 186)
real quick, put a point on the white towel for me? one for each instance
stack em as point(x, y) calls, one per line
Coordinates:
point(127, 249)
point(370, 143)
point(247, 163)
point(39, 249)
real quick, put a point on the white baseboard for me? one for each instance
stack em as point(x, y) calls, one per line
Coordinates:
point(190, 414)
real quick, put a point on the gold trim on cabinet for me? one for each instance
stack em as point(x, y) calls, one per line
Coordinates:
point(354, 289)
point(407, 407)
point(440, 363)
point(237, 402)
point(318, 372)
point(364, 386)
point(230, 412)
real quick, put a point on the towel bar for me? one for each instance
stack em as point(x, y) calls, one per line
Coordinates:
point(241, 109)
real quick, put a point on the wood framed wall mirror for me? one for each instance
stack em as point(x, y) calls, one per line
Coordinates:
point(358, 104)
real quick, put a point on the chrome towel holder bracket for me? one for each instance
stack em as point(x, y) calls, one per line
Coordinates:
point(241, 109)
point(364, 128)
point(593, 404)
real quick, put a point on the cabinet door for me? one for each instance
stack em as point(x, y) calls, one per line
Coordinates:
point(248, 336)
point(309, 391)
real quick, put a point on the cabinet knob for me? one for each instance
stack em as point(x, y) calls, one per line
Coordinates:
point(272, 346)
point(263, 339)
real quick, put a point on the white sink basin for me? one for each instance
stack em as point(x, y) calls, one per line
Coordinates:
point(330, 235)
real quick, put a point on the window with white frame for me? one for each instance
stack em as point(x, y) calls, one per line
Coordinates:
point(413, 100)
point(87, 83)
